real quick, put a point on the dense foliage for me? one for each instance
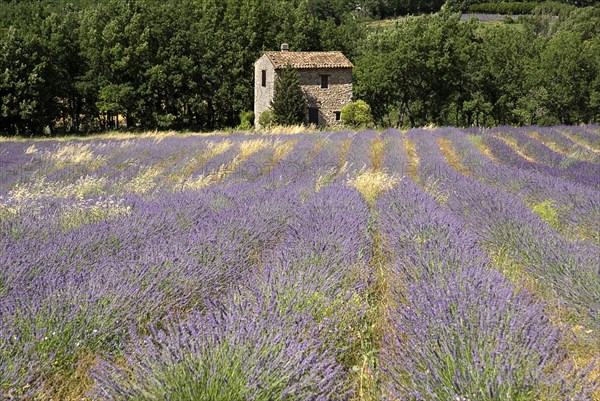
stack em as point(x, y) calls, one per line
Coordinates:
point(188, 64)
point(433, 265)
point(436, 69)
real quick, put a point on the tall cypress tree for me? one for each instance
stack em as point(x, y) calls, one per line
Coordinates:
point(289, 103)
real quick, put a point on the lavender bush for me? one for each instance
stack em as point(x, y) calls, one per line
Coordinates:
point(252, 349)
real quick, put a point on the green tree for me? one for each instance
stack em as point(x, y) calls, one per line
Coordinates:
point(506, 57)
point(28, 83)
point(414, 73)
point(565, 74)
point(289, 103)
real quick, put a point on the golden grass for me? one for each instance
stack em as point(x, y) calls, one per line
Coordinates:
point(451, 156)
point(379, 299)
point(212, 150)
point(85, 186)
point(344, 152)
point(316, 149)
point(117, 135)
point(144, 181)
point(326, 178)
point(246, 149)
point(282, 149)
point(286, 130)
point(413, 159)
point(78, 215)
point(160, 135)
point(585, 350)
point(71, 387)
point(70, 154)
point(371, 183)
point(434, 188)
point(377, 150)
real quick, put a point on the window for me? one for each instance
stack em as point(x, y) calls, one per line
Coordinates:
point(264, 78)
point(338, 115)
point(324, 81)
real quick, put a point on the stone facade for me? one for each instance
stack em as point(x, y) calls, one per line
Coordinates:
point(324, 104)
point(330, 100)
point(263, 94)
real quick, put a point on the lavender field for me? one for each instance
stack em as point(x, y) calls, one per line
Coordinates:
point(437, 264)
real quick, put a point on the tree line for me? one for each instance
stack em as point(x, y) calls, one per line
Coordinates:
point(437, 70)
point(176, 64)
point(76, 66)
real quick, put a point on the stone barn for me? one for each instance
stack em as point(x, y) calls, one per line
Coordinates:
point(325, 79)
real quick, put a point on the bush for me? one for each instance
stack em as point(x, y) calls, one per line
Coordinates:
point(357, 114)
point(266, 119)
point(246, 120)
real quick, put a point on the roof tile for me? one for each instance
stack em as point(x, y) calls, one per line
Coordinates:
point(309, 59)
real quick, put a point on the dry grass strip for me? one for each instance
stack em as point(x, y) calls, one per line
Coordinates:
point(580, 142)
point(377, 149)
point(282, 149)
point(247, 149)
point(413, 160)
point(515, 147)
point(451, 156)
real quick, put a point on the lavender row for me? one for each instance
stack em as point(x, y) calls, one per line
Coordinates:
point(359, 153)
point(566, 270)
point(459, 330)
point(577, 171)
point(14, 163)
point(280, 336)
point(394, 157)
point(542, 153)
point(589, 135)
point(575, 208)
point(556, 137)
point(328, 163)
point(220, 198)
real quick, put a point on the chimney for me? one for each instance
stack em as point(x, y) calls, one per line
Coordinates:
point(285, 47)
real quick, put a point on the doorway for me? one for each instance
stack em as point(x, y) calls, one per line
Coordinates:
point(313, 115)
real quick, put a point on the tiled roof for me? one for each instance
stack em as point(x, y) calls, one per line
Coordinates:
point(309, 59)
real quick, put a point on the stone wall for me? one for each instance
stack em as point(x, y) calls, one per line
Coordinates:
point(327, 100)
point(263, 95)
